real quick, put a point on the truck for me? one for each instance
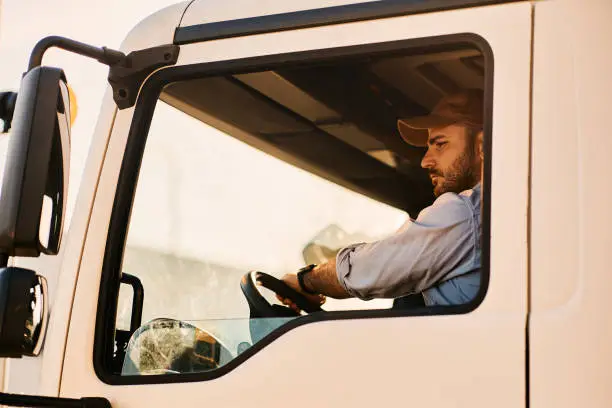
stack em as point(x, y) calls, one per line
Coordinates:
point(241, 140)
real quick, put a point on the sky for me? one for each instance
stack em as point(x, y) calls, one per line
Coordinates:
point(100, 23)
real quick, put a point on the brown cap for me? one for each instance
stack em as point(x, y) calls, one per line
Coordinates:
point(464, 107)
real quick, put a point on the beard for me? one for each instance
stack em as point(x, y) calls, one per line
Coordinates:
point(461, 175)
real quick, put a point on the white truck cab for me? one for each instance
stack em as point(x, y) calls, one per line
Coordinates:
point(248, 137)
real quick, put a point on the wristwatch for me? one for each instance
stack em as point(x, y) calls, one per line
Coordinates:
point(300, 276)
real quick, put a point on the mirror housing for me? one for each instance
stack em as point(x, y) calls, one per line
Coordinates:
point(35, 182)
point(24, 312)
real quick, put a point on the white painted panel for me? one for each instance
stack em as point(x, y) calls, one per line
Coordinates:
point(474, 360)
point(570, 324)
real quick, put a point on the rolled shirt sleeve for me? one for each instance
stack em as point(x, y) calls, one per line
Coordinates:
point(439, 245)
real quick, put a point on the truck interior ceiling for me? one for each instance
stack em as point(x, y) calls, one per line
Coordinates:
point(338, 118)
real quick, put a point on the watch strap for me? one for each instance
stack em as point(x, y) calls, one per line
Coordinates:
point(302, 274)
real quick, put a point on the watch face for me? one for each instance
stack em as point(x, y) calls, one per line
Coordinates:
point(300, 276)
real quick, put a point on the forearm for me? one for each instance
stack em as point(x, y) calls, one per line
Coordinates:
point(324, 280)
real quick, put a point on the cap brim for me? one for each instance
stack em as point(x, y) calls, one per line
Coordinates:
point(415, 130)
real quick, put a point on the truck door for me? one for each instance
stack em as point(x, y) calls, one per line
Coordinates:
point(269, 145)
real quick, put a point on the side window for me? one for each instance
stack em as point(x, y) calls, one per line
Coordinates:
point(269, 171)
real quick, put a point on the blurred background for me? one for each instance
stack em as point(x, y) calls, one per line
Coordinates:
point(229, 218)
point(25, 22)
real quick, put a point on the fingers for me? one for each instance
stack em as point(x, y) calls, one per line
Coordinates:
point(289, 303)
point(292, 281)
point(316, 299)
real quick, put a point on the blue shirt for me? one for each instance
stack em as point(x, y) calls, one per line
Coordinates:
point(438, 255)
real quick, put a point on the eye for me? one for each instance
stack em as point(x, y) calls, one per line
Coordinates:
point(440, 144)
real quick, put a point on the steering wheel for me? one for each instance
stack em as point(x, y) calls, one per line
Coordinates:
point(260, 307)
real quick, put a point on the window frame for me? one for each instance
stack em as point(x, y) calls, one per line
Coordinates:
point(348, 13)
point(130, 169)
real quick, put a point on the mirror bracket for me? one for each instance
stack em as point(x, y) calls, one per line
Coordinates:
point(126, 79)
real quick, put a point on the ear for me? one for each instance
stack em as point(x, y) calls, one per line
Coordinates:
point(479, 145)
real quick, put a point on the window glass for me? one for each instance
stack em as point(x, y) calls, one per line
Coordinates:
point(209, 208)
point(270, 171)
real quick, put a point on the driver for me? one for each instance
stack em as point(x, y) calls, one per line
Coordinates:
point(438, 255)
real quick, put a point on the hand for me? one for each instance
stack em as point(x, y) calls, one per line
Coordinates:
point(291, 280)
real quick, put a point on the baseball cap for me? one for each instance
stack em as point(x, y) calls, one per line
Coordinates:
point(465, 107)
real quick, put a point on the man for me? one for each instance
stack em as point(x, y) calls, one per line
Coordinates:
point(438, 255)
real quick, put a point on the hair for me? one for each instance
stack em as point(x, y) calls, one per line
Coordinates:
point(472, 133)
point(472, 149)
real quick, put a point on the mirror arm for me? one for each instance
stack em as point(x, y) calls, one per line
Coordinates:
point(104, 55)
point(126, 73)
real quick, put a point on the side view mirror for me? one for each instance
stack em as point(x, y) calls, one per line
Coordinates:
point(23, 312)
point(35, 182)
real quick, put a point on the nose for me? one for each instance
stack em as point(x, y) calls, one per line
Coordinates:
point(427, 162)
